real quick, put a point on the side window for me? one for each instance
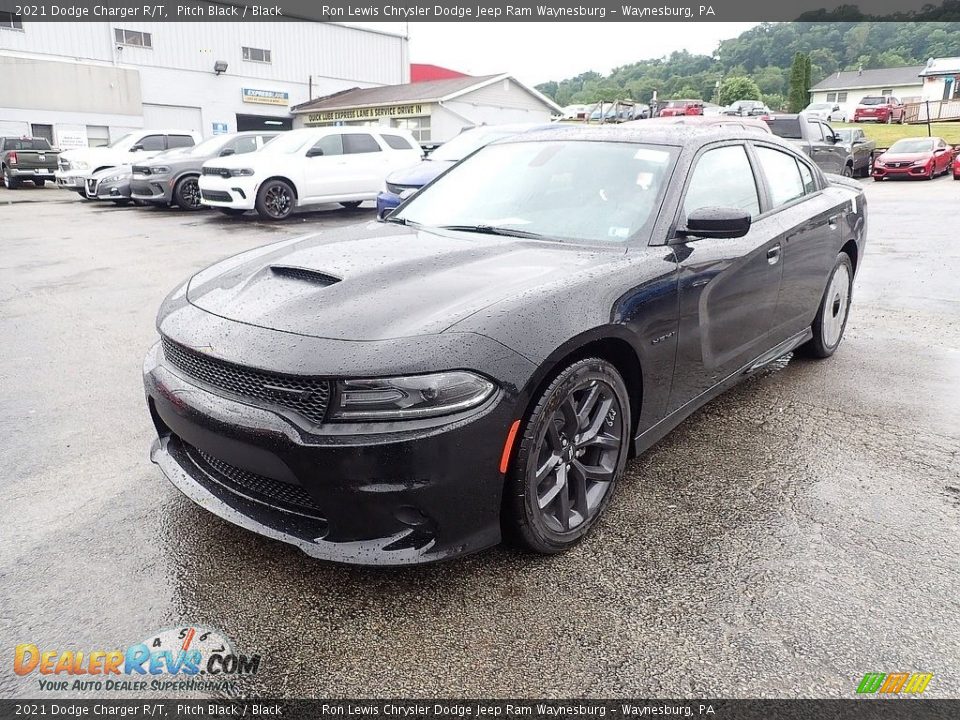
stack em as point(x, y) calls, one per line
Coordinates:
point(397, 142)
point(153, 142)
point(806, 175)
point(264, 139)
point(783, 175)
point(359, 143)
point(816, 131)
point(176, 141)
point(723, 178)
point(330, 145)
point(245, 144)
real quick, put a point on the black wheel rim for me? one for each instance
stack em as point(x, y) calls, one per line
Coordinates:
point(576, 457)
point(191, 193)
point(277, 201)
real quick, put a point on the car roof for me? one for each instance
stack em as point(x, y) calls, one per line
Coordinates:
point(650, 131)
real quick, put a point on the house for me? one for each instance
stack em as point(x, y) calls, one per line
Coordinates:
point(847, 87)
point(435, 110)
point(941, 79)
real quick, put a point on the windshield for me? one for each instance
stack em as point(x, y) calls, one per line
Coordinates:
point(819, 106)
point(26, 144)
point(121, 141)
point(465, 143)
point(873, 101)
point(788, 128)
point(210, 146)
point(289, 142)
point(595, 192)
point(915, 145)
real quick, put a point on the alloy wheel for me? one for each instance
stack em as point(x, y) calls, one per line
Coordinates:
point(838, 304)
point(278, 201)
point(190, 193)
point(576, 457)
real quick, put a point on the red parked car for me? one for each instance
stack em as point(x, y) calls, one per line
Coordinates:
point(879, 108)
point(922, 157)
point(682, 107)
point(956, 166)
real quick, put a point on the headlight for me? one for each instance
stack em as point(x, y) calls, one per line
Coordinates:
point(114, 178)
point(241, 172)
point(159, 170)
point(414, 396)
point(878, 163)
point(79, 165)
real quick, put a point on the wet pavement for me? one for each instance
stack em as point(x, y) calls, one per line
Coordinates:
point(795, 533)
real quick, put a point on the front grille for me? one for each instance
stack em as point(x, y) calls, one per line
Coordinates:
point(92, 187)
point(306, 396)
point(216, 196)
point(255, 487)
point(397, 189)
point(222, 172)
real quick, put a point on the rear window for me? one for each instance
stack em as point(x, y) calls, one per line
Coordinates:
point(26, 144)
point(397, 142)
point(785, 127)
point(873, 101)
point(360, 143)
point(175, 141)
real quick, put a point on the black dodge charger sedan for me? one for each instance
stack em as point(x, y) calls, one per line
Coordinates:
point(482, 364)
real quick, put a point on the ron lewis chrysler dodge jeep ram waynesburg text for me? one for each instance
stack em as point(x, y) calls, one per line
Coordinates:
point(483, 363)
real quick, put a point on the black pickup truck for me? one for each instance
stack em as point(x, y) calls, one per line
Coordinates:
point(26, 158)
point(816, 139)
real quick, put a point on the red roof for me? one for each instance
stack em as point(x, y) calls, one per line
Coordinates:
point(423, 72)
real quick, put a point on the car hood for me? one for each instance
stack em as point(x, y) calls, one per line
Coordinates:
point(115, 170)
point(379, 281)
point(420, 174)
point(905, 157)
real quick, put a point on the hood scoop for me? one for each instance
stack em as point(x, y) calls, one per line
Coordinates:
point(314, 277)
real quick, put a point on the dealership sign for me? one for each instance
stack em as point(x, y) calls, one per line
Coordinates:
point(367, 113)
point(265, 97)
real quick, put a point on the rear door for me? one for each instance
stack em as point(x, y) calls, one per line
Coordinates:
point(810, 231)
point(823, 153)
point(728, 287)
point(367, 163)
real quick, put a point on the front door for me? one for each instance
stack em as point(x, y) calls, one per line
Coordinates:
point(324, 169)
point(728, 287)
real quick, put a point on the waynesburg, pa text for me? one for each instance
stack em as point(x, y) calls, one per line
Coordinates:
point(546, 12)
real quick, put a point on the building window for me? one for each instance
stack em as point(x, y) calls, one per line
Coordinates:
point(256, 55)
point(134, 38)
point(887, 91)
point(831, 97)
point(419, 127)
point(841, 97)
point(98, 135)
point(9, 21)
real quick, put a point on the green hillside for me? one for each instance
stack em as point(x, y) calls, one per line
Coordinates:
point(764, 54)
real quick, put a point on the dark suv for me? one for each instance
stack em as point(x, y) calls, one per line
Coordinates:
point(26, 158)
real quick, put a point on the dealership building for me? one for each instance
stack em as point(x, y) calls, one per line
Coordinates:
point(87, 83)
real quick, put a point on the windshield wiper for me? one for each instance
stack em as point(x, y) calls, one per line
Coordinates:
point(494, 230)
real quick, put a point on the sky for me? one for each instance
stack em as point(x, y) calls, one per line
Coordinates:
point(537, 52)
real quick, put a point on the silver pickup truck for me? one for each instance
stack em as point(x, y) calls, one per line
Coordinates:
point(816, 139)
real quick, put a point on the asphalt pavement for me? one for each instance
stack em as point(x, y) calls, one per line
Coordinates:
point(795, 533)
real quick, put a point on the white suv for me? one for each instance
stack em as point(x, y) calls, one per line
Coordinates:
point(76, 165)
point(304, 167)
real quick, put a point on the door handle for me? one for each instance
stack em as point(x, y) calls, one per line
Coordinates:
point(773, 255)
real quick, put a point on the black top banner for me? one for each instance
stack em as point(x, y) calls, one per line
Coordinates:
point(480, 10)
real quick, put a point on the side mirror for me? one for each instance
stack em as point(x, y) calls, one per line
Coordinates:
point(717, 222)
point(227, 151)
point(832, 139)
point(314, 152)
point(835, 108)
point(136, 148)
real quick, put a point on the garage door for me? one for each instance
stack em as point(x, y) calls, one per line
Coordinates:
point(175, 117)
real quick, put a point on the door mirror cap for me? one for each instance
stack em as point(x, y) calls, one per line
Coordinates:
point(227, 151)
point(717, 222)
point(136, 148)
point(314, 152)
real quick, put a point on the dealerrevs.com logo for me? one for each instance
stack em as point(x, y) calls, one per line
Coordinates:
point(894, 683)
point(185, 658)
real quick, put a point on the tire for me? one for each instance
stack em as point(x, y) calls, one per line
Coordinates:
point(889, 118)
point(847, 170)
point(956, 177)
point(186, 194)
point(39, 182)
point(10, 182)
point(275, 200)
point(551, 515)
point(232, 212)
point(352, 204)
point(877, 179)
point(831, 319)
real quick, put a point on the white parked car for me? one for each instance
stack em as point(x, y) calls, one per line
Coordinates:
point(305, 167)
point(77, 165)
point(831, 112)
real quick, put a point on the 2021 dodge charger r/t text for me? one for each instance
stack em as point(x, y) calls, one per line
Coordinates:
point(483, 363)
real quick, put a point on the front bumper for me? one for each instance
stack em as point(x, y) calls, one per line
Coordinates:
point(878, 117)
point(912, 171)
point(233, 192)
point(116, 190)
point(71, 181)
point(154, 189)
point(386, 201)
point(394, 497)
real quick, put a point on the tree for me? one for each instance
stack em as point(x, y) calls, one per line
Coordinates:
point(736, 88)
point(798, 83)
